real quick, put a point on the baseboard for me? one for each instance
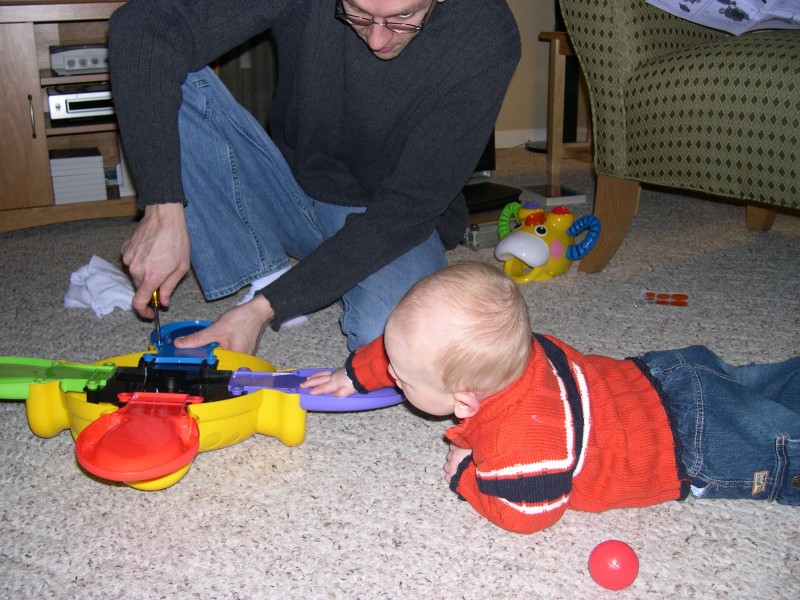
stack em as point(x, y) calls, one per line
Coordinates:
point(518, 137)
point(513, 138)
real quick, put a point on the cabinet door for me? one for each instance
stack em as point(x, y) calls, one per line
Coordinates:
point(24, 161)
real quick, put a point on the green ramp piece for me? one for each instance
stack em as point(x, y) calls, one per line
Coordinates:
point(17, 373)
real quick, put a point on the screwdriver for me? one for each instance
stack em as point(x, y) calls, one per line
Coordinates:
point(156, 320)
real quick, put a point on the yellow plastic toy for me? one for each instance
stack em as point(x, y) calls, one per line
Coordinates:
point(141, 418)
point(540, 245)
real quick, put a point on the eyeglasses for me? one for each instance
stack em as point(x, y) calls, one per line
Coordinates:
point(396, 26)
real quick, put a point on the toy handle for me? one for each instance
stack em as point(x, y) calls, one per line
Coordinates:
point(357, 402)
point(17, 374)
point(582, 248)
point(246, 381)
point(509, 210)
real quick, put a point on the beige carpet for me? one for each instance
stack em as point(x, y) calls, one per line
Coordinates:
point(360, 509)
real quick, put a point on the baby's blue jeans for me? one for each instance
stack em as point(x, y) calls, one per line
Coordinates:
point(739, 427)
point(246, 213)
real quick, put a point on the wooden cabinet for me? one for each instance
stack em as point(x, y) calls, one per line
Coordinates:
point(27, 30)
point(25, 173)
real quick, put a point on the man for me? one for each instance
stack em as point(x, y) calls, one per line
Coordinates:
point(381, 110)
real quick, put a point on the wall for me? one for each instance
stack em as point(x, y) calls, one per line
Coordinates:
point(523, 115)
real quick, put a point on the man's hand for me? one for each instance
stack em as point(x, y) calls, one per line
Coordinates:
point(455, 456)
point(157, 255)
point(238, 330)
point(333, 383)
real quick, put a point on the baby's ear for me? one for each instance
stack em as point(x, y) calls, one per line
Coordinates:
point(467, 405)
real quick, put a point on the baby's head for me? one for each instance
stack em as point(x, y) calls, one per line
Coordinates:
point(457, 337)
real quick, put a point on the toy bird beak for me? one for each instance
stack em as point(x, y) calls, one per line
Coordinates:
point(524, 246)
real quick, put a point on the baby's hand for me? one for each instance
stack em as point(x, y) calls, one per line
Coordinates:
point(333, 383)
point(455, 456)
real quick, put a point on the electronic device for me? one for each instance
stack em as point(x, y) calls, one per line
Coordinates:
point(80, 101)
point(78, 59)
point(481, 235)
point(485, 203)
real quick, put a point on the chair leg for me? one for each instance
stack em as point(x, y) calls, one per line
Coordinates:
point(615, 204)
point(555, 111)
point(758, 218)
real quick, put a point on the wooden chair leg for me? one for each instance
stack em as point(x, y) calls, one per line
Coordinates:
point(555, 110)
point(758, 218)
point(615, 204)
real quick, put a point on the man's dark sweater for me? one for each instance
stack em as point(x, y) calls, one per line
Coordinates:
point(398, 137)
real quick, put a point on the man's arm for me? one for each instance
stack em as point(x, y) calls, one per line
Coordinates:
point(153, 44)
point(404, 154)
point(414, 200)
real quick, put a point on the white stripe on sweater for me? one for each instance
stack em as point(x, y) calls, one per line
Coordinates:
point(559, 464)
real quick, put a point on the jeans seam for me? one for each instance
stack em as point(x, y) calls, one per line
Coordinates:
point(242, 130)
point(780, 468)
point(240, 207)
point(700, 418)
point(298, 202)
point(693, 470)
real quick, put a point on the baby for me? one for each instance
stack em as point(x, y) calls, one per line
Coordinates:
point(543, 428)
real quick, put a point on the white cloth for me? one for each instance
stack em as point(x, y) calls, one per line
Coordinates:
point(100, 286)
point(264, 282)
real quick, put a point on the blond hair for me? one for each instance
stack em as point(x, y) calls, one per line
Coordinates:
point(483, 321)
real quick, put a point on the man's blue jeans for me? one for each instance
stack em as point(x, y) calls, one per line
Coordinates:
point(739, 427)
point(246, 213)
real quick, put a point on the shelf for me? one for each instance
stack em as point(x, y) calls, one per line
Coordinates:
point(22, 218)
point(57, 10)
point(50, 77)
point(72, 129)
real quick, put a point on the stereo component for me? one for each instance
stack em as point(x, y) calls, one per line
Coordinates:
point(80, 101)
point(78, 59)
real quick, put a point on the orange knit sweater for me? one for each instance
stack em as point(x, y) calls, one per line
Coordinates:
point(594, 438)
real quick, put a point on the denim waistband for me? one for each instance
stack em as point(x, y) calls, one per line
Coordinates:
point(683, 476)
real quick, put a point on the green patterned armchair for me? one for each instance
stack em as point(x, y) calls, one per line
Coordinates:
point(683, 106)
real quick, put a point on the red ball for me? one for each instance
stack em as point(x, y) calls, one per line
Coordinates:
point(613, 565)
